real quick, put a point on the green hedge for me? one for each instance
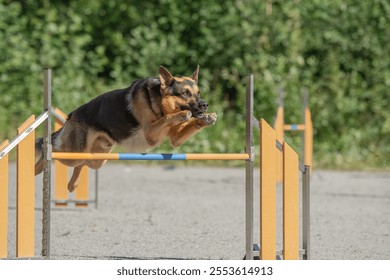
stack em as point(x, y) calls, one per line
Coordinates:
point(337, 49)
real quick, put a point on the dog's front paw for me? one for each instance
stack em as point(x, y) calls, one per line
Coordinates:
point(180, 117)
point(185, 115)
point(208, 119)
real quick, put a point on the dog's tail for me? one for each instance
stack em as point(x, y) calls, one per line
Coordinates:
point(39, 151)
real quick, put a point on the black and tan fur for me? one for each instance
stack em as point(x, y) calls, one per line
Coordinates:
point(137, 118)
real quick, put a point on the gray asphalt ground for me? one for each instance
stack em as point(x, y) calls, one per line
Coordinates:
point(186, 212)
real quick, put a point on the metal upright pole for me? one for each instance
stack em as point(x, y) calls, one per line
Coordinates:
point(47, 149)
point(249, 149)
point(306, 212)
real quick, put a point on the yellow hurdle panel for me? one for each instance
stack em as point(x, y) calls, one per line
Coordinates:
point(60, 176)
point(267, 191)
point(279, 124)
point(308, 160)
point(61, 184)
point(279, 129)
point(81, 192)
point(3, 202)
point(290, 203)
point(25, 192)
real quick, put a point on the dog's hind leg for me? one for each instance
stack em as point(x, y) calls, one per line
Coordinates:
point(38, 156)
point(39, 166)
point(39, 152)
point(101, 143)
point(75, 180)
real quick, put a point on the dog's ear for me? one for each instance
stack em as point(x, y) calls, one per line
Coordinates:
point(195, 75)
point(166, 78)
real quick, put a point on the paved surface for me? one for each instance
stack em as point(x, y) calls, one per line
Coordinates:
point(176, 212)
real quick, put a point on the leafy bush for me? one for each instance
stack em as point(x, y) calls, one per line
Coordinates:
point(337, 49)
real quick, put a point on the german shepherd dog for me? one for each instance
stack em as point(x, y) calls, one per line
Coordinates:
point(137, 118)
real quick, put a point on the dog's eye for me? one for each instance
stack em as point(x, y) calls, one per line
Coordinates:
point(187, 93)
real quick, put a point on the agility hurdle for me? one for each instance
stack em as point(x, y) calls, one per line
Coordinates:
point(25, 200)
point(270, 149)
point(269, 145)
point(24, 143)
point(307, 129)
point(291, 168)
point(291, 203)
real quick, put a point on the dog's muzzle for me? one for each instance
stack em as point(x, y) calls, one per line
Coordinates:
point(200, 108)
point(197, 108)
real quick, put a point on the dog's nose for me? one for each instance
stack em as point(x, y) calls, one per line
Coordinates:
point(203, 105)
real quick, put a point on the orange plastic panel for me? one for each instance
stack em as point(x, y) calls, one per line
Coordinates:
point(290, 203)
point(81, 192)
point(279, 129)
point(60, 176)
point(308, 160)
point(267, 191)
point(25, 192)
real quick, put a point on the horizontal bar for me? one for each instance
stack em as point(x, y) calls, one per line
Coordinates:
point(294, 127)
point(255, 122)
point(24, 134)
point(217, 157)
point(94, 156)
point(58, 116)
point(151, 157)
point(123, 156)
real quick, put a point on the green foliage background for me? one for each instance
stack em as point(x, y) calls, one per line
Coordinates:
point(338, 49)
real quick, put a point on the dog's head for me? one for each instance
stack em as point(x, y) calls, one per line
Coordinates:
point(181, 93)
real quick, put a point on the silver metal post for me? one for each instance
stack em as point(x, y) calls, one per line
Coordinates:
point(47, 148)
point(306, 212)
point(249, 149)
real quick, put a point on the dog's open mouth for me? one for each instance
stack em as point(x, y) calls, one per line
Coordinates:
point(200, 115)
point(196, 113)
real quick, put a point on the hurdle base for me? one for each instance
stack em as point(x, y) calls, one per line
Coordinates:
point(278, 256)
point(80, 203)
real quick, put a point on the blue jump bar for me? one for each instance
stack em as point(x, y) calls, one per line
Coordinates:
point(152, 156)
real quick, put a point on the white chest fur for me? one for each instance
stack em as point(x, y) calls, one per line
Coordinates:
point(136, 143)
